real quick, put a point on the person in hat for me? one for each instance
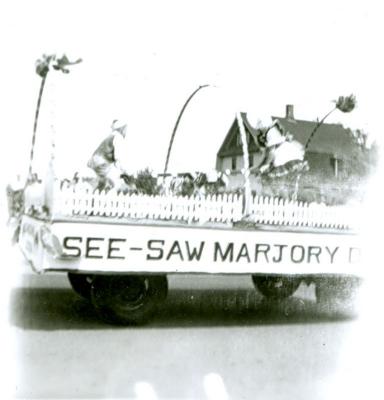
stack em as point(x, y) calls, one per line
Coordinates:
point(283, 155)
point(104, 161)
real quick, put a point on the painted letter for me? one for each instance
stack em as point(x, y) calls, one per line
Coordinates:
point(89, 248)
point(302, 255)
point(228, 252)
point(67, 247)
point(194, 253)
point(259, 249)
point(314, 251)
point(280, 247)
point(332, 253)
point(243, 253)
point(159, 250)
point(175, 250)
point(111, 249)
point(354, 255)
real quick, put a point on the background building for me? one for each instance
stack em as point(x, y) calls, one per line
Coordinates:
point(338, 163)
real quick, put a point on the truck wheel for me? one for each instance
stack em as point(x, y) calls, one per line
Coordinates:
point(276, 287)
point(128, 299)
point(337, 289)
point(81, 284)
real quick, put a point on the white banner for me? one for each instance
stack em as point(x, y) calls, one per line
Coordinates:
point(137, 248)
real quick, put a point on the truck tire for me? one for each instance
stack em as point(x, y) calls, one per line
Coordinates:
point(276, 287)
point(81, 284)
point(336, 289)
point(128, 299)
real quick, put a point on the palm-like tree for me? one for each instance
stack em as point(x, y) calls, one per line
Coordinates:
point(43, 65)
point(344, 104)
point(176, 125)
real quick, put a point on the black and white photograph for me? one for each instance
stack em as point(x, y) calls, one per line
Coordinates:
point(191, 200)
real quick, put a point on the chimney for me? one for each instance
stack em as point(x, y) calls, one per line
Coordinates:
point(289, 111)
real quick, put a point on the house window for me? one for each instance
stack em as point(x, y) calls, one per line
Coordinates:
point(233, 163)
point(251, 160)
point(337, 166)
point(239, 139)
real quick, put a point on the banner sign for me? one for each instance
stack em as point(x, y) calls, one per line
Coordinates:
point(152, 248)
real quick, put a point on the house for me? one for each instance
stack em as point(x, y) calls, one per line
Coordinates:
point(333, 156)
point(230, 155)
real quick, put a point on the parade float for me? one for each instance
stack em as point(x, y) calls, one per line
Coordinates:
point(118, 246)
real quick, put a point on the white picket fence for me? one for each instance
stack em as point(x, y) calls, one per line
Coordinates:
point(223, 208)
point(218, 208)
point(277, 211)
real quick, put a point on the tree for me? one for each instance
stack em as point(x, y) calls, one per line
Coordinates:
point(176, 125)
point(344, 104)
point(43, 65)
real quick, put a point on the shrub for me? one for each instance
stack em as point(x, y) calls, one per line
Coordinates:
point(146, 183)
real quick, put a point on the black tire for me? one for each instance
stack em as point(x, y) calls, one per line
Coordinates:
point(128, 299)
point(337, 289)
point(276, 287)
point(81, 284)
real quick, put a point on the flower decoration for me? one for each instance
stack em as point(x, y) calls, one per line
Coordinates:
point(59, 64)
point(346, 104)
point(42, 65)
point(62, 63)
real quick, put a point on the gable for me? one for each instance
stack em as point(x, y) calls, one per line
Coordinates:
point(231, 145)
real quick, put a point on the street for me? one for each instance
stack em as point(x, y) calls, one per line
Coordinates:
point(214, 338)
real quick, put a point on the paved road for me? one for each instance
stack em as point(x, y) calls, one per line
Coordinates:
point(215, 338)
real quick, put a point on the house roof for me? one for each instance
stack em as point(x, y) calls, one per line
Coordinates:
point(329, 139)
point(230, 147)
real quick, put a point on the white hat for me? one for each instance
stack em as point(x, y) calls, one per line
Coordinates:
point(274, 137)
point(263, 122)
point(118, 124)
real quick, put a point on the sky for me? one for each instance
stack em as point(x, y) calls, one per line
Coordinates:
point(142, 59)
